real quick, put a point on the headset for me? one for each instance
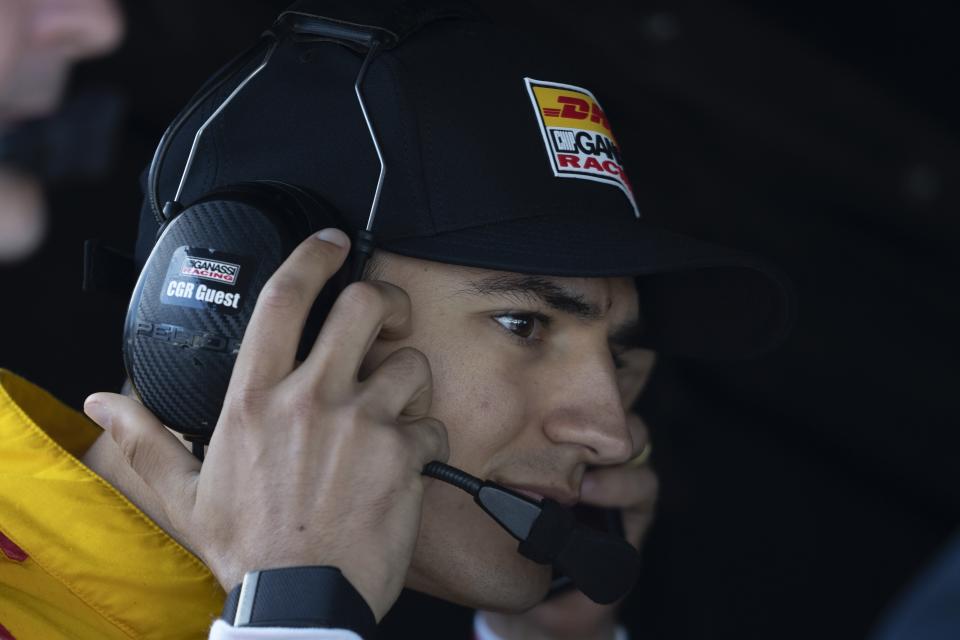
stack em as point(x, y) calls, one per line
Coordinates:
point(196, 293)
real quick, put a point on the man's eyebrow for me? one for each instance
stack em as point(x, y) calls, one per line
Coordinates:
point(535, 289)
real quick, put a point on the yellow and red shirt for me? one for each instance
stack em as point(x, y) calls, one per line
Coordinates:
point(77, 559)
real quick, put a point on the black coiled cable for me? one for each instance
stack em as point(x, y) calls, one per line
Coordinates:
point(451, 475)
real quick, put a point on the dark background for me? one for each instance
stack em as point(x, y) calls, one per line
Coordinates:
point(800, 491)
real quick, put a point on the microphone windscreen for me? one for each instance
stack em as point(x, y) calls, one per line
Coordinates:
point(549, 533)
point(605, 568)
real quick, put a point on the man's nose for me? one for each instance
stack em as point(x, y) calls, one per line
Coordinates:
point(586, 410)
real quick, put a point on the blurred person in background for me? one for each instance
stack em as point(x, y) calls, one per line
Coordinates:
point(40, 40)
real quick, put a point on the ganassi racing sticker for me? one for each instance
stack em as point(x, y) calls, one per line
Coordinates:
point(579, 141)
point(209, 269)
point(206, 279)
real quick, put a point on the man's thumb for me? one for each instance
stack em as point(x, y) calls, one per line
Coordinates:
point(154, 453)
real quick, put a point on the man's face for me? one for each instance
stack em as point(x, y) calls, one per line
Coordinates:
point(525, 381)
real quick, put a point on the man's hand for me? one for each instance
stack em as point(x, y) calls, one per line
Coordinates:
point(572, 615)
point(307, 465)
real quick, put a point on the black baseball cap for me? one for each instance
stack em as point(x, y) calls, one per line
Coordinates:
point(498, 155)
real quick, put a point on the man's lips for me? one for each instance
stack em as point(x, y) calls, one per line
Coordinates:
point(561, 495)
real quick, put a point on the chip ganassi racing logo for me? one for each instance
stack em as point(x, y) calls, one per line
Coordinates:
point(579, 141)
point(225, 272)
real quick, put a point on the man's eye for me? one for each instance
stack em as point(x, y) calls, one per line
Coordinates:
point(525, 326)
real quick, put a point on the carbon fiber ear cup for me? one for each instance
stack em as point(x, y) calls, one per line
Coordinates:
point(196, 293)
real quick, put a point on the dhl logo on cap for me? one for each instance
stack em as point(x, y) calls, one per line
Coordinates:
point(577, 135)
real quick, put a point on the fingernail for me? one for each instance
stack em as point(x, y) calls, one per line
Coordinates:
point(97, 412)
point(334, 236)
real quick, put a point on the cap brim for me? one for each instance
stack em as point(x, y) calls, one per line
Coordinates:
point(697, 299)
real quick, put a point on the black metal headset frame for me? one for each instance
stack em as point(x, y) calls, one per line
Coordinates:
point(291, 22)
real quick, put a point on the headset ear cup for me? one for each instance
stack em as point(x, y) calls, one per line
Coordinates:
point(301, 210)
point(196, 293)
point(305, 205)
point(306, 213)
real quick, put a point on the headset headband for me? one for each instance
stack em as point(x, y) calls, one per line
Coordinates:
point(359, 23)
point(364, 28)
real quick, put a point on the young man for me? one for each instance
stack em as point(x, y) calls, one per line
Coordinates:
point(497, 330)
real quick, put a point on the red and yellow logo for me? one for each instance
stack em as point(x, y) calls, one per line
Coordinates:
point(565, 107)
point(577, 135)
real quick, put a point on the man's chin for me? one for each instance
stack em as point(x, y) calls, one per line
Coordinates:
point(514, 588)
point(463, 556)
point(515, 605)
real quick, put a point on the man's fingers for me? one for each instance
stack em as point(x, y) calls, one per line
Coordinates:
point(622, 486)
point(154, 453)
point(363, 311)
point(619, 487)
point(632, 491)
point(271, 339)
point(429, 438)
point(639, 432)
point(402, 384)
point(637, 519)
